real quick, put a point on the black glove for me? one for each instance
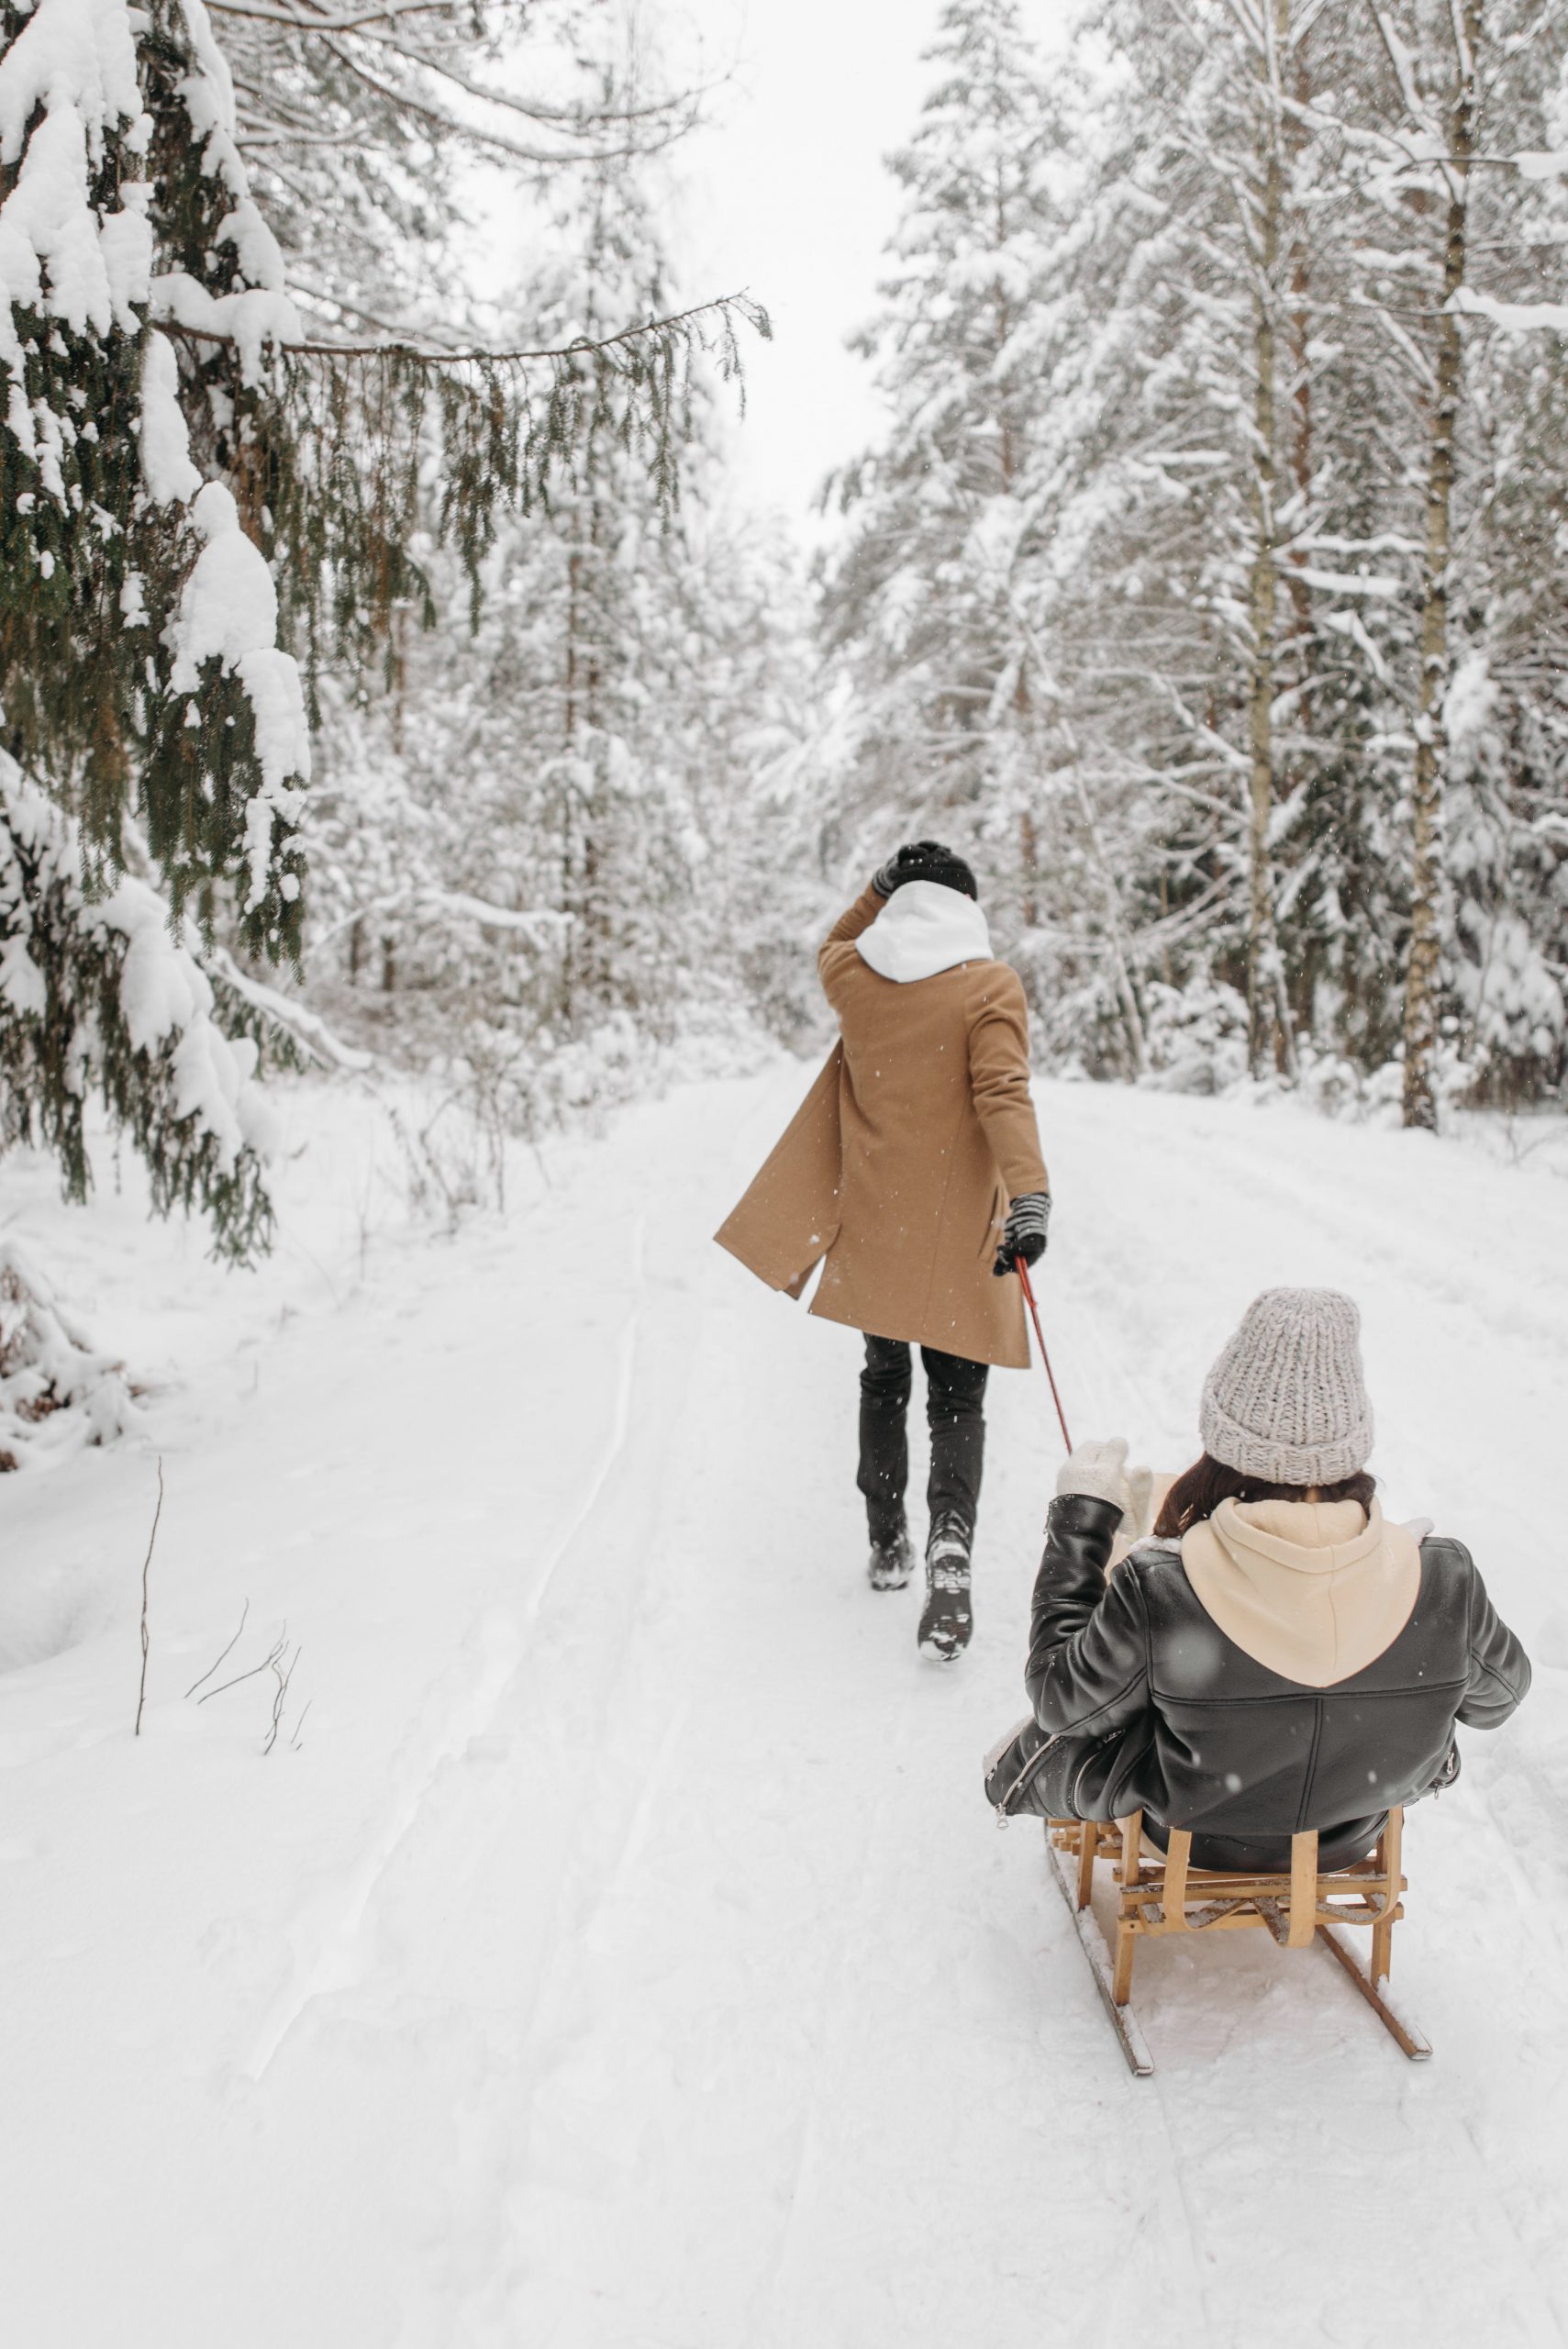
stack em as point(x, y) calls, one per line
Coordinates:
point(924, 860)
point(1024, 1232)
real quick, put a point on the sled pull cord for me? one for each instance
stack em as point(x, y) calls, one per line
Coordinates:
point(1023, 1273)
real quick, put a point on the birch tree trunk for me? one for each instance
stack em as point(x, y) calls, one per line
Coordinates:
point(1421, 992)
point(1269, 1042)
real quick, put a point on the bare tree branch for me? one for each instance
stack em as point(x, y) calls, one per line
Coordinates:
point(722, 303)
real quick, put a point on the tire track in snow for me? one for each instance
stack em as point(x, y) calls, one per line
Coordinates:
point(835, 2034)
point(329, 1936)
point(587, 1871)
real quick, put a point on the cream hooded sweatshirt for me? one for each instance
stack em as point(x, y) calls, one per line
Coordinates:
point(1315, 1590)
point(925, 928)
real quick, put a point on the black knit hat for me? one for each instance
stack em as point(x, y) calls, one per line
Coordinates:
point(928, 861)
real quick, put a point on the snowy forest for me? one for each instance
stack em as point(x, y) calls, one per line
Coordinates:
point(478, 1875)
point(372, 682)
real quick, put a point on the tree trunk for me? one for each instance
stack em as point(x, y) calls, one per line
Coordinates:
point(1126, 994)
point(1421, 994)
point(1269, 1045)
point(1028, 861)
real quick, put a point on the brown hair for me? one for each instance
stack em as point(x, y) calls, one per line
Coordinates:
point(1198, 1491)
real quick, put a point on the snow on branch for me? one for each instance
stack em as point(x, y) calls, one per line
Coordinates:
point(77, 261)
point(57, 1394)
point(433, 62)
point(1348, 583)
point(97, 994)
point(542, 927)
point(1514, 318)
point(303, 1028)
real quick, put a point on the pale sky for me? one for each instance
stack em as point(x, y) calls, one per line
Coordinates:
point(785, 194)
point(788, 197)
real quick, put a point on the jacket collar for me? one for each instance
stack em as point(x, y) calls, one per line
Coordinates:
point(924, 928)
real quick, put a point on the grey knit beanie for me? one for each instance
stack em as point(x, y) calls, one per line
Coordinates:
point(1286, 1401)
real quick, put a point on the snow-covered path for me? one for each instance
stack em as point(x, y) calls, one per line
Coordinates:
point(626, 1959)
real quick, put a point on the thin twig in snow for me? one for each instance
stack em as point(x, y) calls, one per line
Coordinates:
point(141, 1691)
point(228, 1651)
point(269, 1658)
point(283, 1677)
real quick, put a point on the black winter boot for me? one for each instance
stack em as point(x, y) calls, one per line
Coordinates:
point(948, 1619)
point(892, 1560)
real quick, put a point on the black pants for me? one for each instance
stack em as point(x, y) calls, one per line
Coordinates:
point(955, 1396)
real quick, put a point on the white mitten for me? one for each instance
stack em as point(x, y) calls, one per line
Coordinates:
point(1100, 1471)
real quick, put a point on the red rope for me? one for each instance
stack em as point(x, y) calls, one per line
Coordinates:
point(1023, 1273)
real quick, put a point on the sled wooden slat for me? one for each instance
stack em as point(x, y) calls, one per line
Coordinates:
point(1303, 1891)
point(1406, 2034)
point(1125, 2023)
point(1159, 1893)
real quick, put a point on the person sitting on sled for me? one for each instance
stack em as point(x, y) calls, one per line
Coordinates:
point(1278, 1656)
point(911, 1172)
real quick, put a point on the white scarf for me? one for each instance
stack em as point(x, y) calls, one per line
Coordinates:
point(923, 928)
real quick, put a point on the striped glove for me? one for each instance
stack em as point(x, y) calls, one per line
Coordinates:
point(1024, 1232)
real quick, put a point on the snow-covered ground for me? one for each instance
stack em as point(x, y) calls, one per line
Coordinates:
point(621, 1956)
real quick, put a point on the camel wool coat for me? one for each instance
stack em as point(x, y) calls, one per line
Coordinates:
point(896, 1171)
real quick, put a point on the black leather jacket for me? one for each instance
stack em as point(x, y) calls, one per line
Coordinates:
point(1172, 1717)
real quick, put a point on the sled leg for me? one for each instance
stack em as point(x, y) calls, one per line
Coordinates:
point(1092, 1942)
point(1088, 1844)
point(1407, 2035)
point(1390, 1856)
point(1121, 1972)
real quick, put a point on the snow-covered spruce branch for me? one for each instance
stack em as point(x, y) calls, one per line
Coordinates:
point(672, 115)
point(318, 21)
point(95, 996)
point(388, 22)
point(58, 1393)
point(304, 1029)
point(398, 52)
point(460, 133)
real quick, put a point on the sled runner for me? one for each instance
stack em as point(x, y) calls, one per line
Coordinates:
point(1162, 1893)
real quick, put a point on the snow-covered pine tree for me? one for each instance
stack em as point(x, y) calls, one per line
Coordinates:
point(356, 123)
point(921, 604)
point(1450, 96)
point(1227, 578)
point(1186, 619)
point(170, 432)
point(152, 732)
point(520, 841)
point(1051, 561)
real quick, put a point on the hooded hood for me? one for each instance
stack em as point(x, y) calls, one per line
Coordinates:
point(924, 928)
point(1314, 1590)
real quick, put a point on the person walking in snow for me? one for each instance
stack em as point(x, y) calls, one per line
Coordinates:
point(912, 1172)
point(1278, 1656)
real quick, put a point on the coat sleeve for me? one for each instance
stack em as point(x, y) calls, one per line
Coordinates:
point(1499, 1668)
point(837, 954)
point(999, 1082)
point(1088, 1666)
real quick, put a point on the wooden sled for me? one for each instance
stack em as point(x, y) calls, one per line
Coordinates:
point(1163, 1893)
